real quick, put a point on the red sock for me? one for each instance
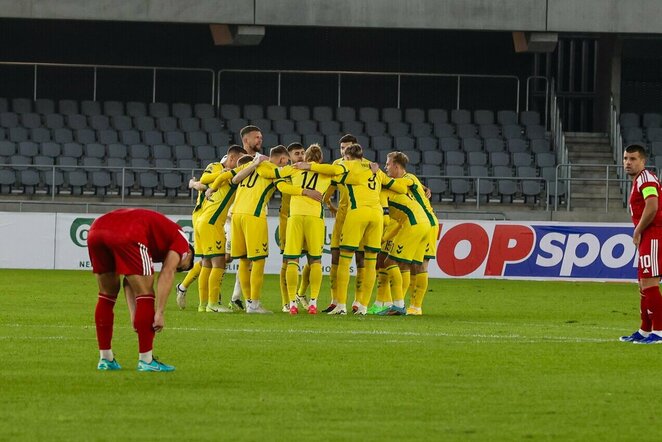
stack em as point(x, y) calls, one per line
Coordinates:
point(654, 306)
point(103, 318)
point(646, 323)
point(143, 322)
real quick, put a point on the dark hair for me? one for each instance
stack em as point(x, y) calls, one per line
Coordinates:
point(348, 138)
point(313, 153)
point(245, 159)
point(294, 146)
point(636, 147)
point(278, 150)
point(354, 151)
point(249, 129)
point(398, 158)
point(235, 148)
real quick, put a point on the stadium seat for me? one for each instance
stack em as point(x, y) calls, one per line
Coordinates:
point(442, 130)
point(305, 127)
point(211, 124)
point(489, 131)
point(545, 159)
point(107, 136)
point(204, 110)
point(283, 127)
point(629, 120)
point(506, 117)
point(287, 139)
point(516, 146)
point(414, 115)
point(472, 145)
point(182, 110)
point(117, 150)
point(4, 105)
point(433, 157)
point(368, 114)
point(632, 134)
point(101, 182)
point(483, 117)
point(531, 190)
point(426, 143)
point(40, 134)
point(460, 116)
point(535, 132)
point(137, 150)
point(183, 152)
point(21, 105)
point(74, 150)
point(522, 159)
point(455, 158)
point(172, 183)
point(502, 171)
point(189, 124)
point(437, 116)
point(252, 112)
point(322, 114)
point(299, 113)
point(152, 137)
point(76, 121)
point(121, 122)
point(112, 108)
point(136, 109)
point(460, 189)
point(161, 151)
point(438, 188)
point(476, 158)
point(148, 181)
point(529, 118)
point(18, 134)
point(8, 119)
point(512, 131)
point(315, 138)
point(28, 148)
point(375, 128)
point(654, 134)
point(54, 121)
point(53, 180)
point(506, 189)
point(91, 164)
point(352, 127)
point(499, 159)
point(221, 139)
point(541, 145)
point(414, 157)
point(432, 170)
point(345, 113)
point(143, 123)
point(425, 130)
point(206, 154)
point(404, 143)
point(30, 120)
point(76, 181)
point(85, 136)
point(229, 111)
point(275, 112)
point(67, 107)
point(173, 138)
point(158, 110)
point(398, 129)
point(235, 125)
point(29, 181)
point(49, 149)
point(449, 144)
point(90, 108)
point(7, 180)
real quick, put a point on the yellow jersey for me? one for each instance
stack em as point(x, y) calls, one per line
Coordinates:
point(364, 186)
point(418, 192)
point(404, 209)
point(310, 179)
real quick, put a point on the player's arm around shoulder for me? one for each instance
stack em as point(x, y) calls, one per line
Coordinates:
point(397, 185)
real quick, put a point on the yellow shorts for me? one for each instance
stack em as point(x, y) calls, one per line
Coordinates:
point(390, 229)
point(197, 247)
point(431, 248)
point(363, 226)
point(337, 228)
point(282, 232)
point(209, 239)
point(250, 237)
point(409, 244)
point(304, 233)
point(227, 228)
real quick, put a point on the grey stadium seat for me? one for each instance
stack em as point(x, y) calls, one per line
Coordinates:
point(74, 150)
point(345, 113)
point(391, 115)
point(430, 170)
point(455, 158)
point(306, 127)
point(117, 150)
point(529, 118)
point(541, 145)
point(352, 127)
point(76, 121)
point(20, 162)
point(63, 135)
point(502, 171)
point(76, 180)
point(425, 129)
point(381, 142)
point(137, 150)
point(489, 131)
point(9, 119)
point(229, 111)
point(631, 134)
point(535, 132)
point(432, 157)
point(30, 120)
point(197, 138)
point(136, 109)
point(18, 134)
point(329, 127)
point(67, 107)
point(165, 124)
point(404, 143)
point(322, 113)
point(101, 182)
point(50, 149)
point(506, 189)
point(28, 148)
point(286, 139)
point(144, 122)
point(173, 138)
point(651, 119)
point(263, 123)
point(472, 145)
point(43, 160)
point(183, 152)
point(442, 130)
point(483, 117)
point(654, 134)
point(460, 188)
point(148, 182)
point(438, 187)
point(4, 104)
point(629, 120)
point(375, 128)
point(182, 110)
point(107, 136)
point(512, 131)
point(211, 124)
point(299, 113)
point(54, 121)
point(398, 129)
point(204, 110)
point(40, 134)
point(29, 180)
point(545, 160)
point(172, 183)
point(460, 116)
point(7, 180)
point(221, 139)
point(506, 117)
point(368, 114)
point(522, 159)
point(499, 159)
point(235, 125)
point(95, 150)
point(517, 145)
point(152, 137)
point(85, 136)
point(268, 139)
point(53, 180)
point(189, 124)
point(275, 112)
point(414, 115)
point(90, 108)
point(252, 112)
point(21, 105)
point(91, 164)
point(315, 138)
point(111, 108)
point(206, 154)
point(414, 157)
point(436, 116)
point(449, 144)
point(477, 158)
point(161, 151)
point(426, 143)
point(158, 110)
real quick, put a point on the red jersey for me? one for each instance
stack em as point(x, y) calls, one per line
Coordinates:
point(645, 179)
point(127, 241)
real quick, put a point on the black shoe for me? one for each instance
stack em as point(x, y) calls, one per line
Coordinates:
point(329, 308)
point(236, 304)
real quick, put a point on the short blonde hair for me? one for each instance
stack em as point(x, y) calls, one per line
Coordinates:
point(313, 153)
point(398, 158)
point(354, 151)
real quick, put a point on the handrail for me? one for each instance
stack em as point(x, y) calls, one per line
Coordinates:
point(558, 140)
point(95, 67)
point(616, 141)
point(339, 74)
point(528, 91)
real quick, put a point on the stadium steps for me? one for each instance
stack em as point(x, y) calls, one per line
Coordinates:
point(593, 148)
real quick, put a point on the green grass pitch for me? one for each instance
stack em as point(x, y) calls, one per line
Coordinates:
point(489, 360)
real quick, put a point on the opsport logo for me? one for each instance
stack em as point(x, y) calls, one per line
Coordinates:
point(572, 251)
point(80, 227)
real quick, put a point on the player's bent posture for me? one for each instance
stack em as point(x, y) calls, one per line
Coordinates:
point(646, 213)
point(127, 242)
point(411, 240)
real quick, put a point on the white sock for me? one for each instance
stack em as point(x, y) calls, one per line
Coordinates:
point(657, 332)
point(146, 357)
point(399, 304)
point(236, 294)
point(107, 355)
point(388, 304)
point(293, 304)
point(378, 304)
point(341, 306)
point(181, 287)
point(644, 333)
point(313, 301)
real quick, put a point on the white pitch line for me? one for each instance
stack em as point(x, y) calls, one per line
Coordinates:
point(479, 336)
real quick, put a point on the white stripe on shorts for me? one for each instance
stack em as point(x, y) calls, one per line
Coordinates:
point(146, 259)
point(654, 262)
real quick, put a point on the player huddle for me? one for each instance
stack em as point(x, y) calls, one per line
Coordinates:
point(384, 220)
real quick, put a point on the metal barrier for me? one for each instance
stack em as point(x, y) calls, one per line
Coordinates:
point(558, 139)
point(95, 69)
point(616, 141)
point(398, 75)
point(528, 95)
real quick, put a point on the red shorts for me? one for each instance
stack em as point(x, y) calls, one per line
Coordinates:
point(113, 252)
point(649, 256)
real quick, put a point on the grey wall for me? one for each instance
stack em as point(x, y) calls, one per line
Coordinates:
point(634, 16)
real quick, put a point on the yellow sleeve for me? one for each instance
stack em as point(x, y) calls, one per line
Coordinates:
point(221, 176)
point(326, 199)
point(288, 188)
point(398, 185)
point(266, 169)
point(328, 169)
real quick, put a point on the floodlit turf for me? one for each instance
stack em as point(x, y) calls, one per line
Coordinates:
point(489, 360)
